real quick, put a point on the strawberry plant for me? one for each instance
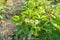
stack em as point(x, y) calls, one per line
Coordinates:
point(40, 19)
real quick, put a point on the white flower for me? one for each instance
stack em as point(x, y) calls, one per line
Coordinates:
point(36, 22)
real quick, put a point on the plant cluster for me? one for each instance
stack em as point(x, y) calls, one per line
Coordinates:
point(2, 9)
point(38, 18)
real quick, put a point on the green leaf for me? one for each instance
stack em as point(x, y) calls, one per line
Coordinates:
point(16, 18)
point(42, 35)
point(2, 1)
point(55, 20)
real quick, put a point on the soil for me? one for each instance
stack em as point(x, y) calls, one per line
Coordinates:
point(7, 27)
